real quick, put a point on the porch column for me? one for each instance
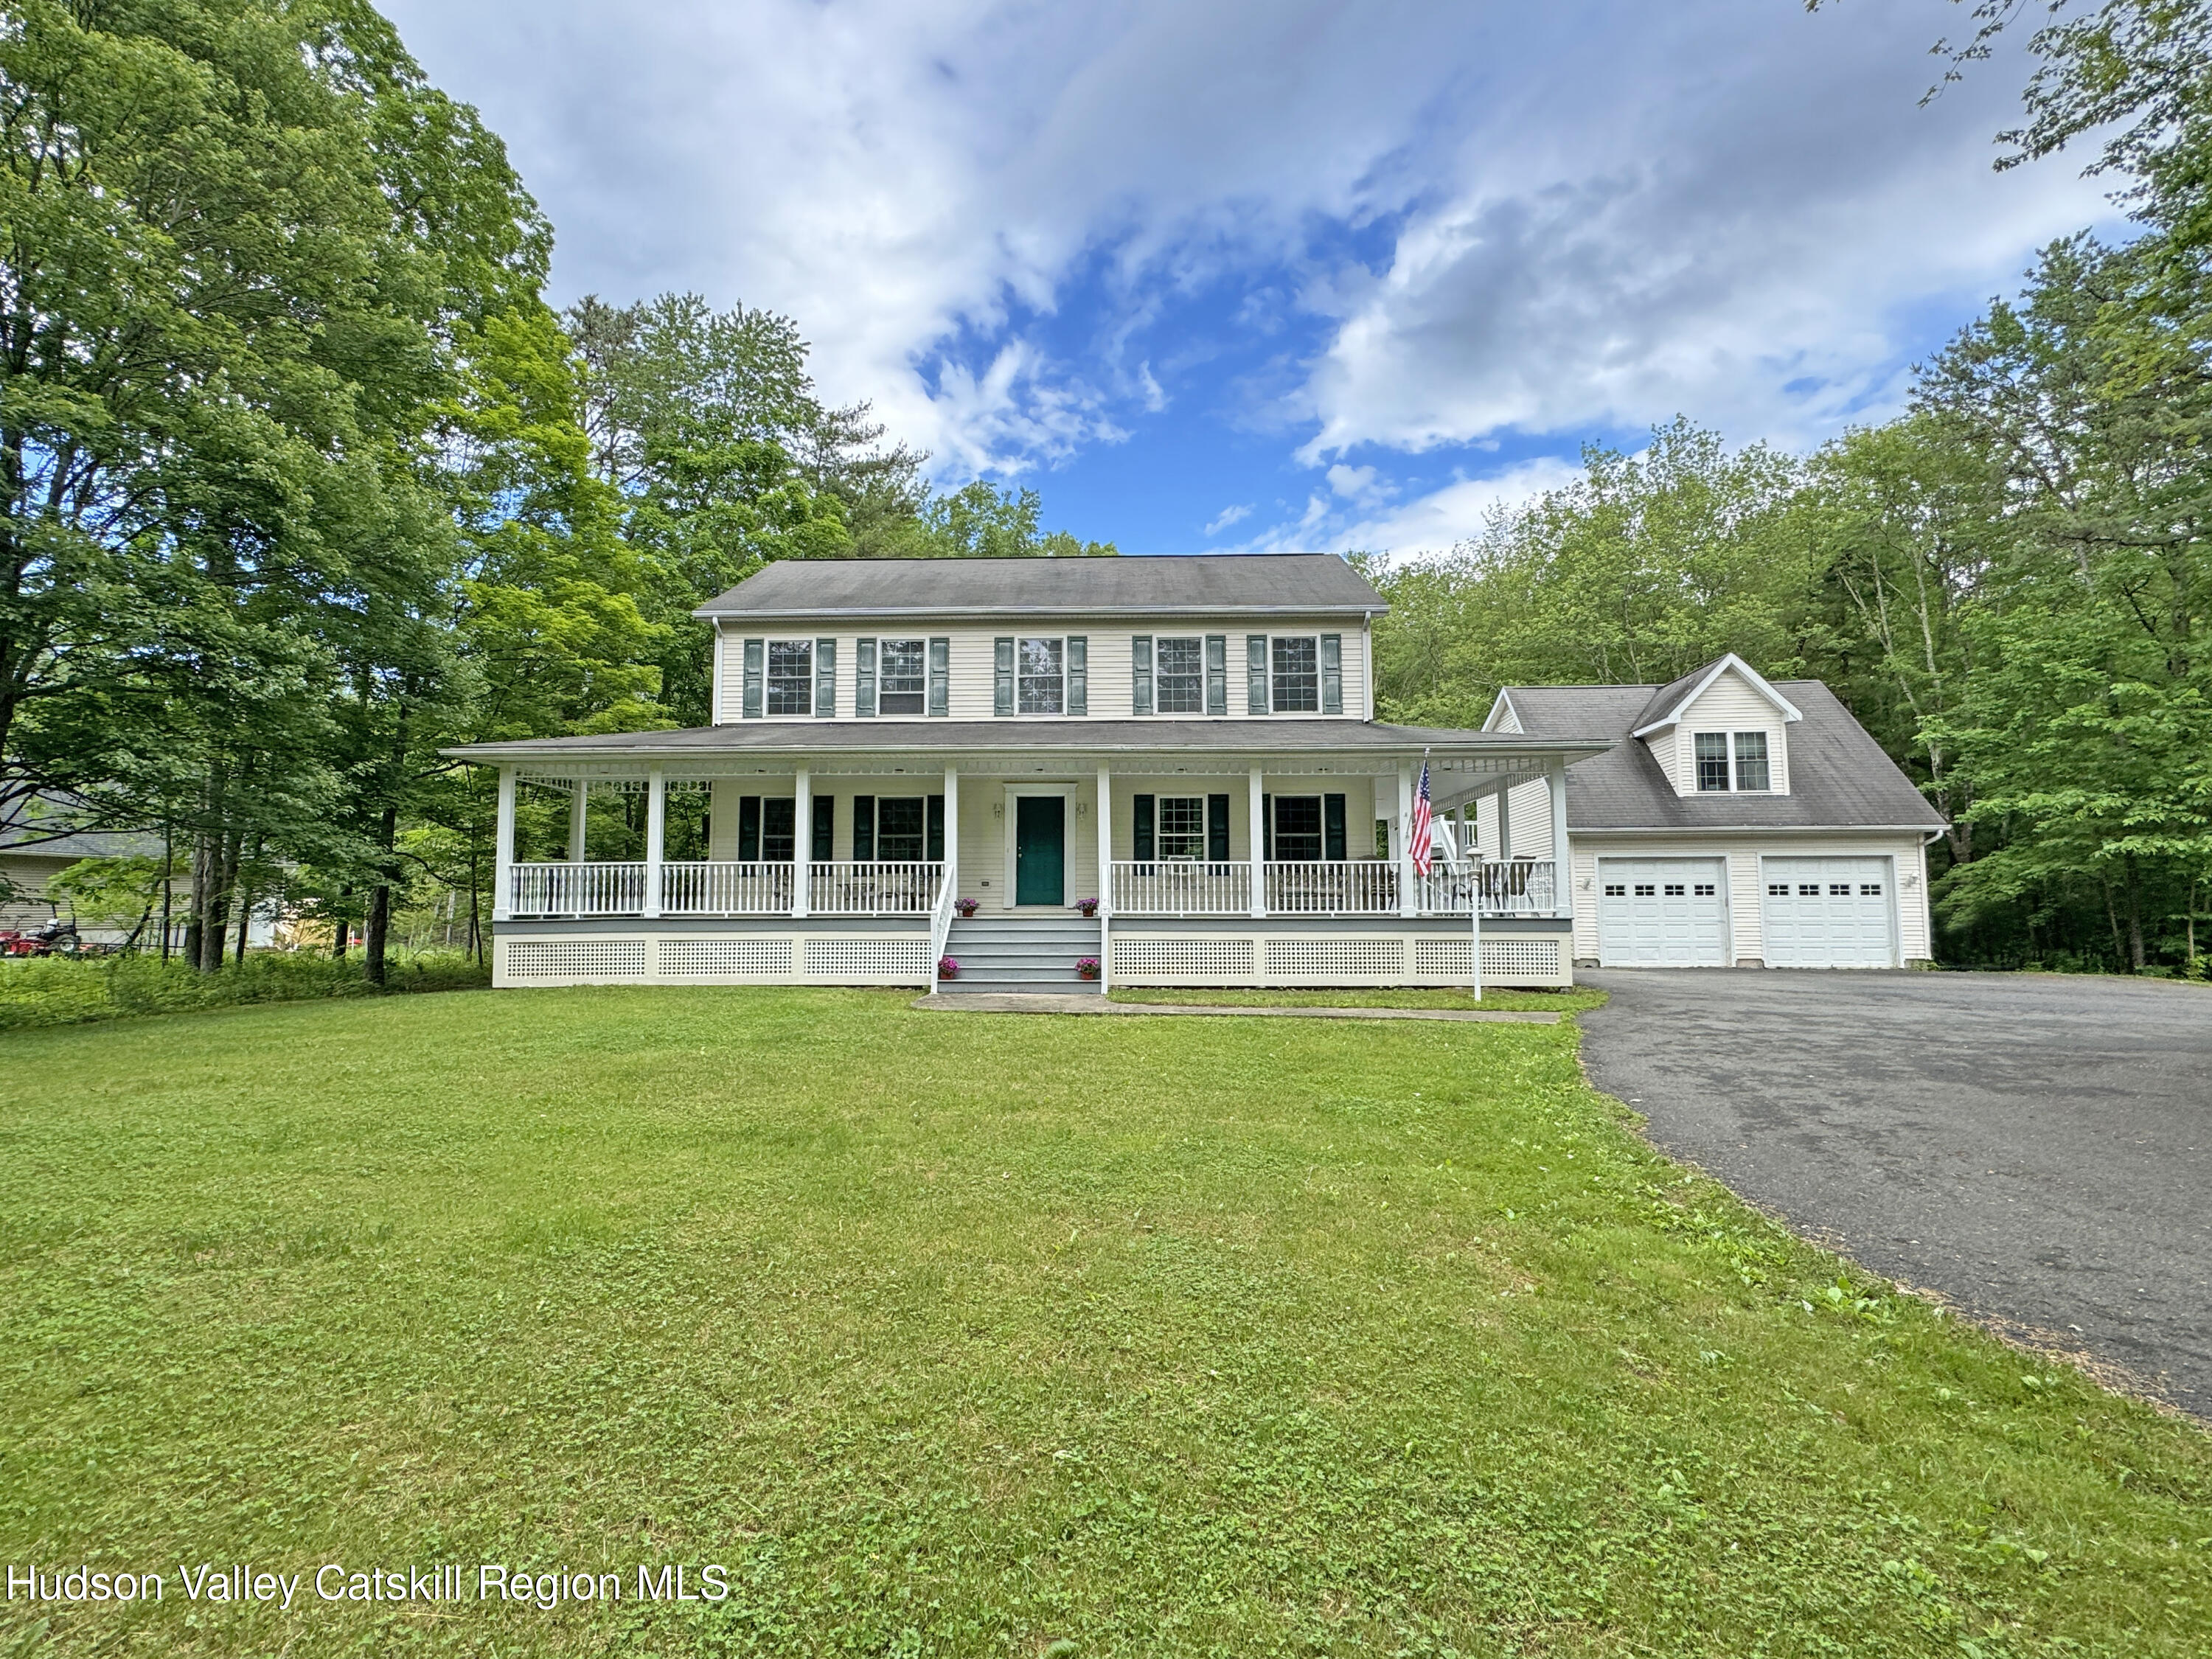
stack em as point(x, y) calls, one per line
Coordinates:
point(656, 823)
point(503, 848)
point(1105, 846)
point(1563, 903)
point(577, 804)
point(951, 830)
point(1256, 851)
point(1504, 823)
point(1408, 902)
point(802, 844)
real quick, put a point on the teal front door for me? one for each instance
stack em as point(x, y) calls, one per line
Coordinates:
point(1040, 849)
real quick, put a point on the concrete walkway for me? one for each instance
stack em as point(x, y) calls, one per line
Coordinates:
point(995, 1003)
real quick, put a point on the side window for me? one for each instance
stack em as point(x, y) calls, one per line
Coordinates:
point(790, 676)
point(1751, 761)
point(1295, 665)
point(1712, 761)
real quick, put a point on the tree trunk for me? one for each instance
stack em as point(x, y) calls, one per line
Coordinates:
point(339, 923)
point(2135, 915)
point(379, 897)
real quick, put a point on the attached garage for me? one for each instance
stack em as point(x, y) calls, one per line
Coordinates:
point(1829, 912)
point(1662, 913)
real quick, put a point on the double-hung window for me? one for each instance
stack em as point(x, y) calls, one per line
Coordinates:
point(1041, 676)
point(1295, 674)
point(1179, 677)
point(902, 677)
point(791, 677)
point(1749, 773)
point(1182, 826)
point(1298, 828)
point(901, 828)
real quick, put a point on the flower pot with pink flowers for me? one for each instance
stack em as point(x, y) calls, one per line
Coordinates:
point(966, 907)
point(1086, 967)
point(1089, 907)
point(947, 967)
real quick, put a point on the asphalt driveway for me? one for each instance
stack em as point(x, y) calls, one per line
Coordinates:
point(2036, 1147)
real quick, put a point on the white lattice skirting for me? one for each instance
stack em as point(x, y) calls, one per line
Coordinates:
point(752, 959)
point(1318, 959)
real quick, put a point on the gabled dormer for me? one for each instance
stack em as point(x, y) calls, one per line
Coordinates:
point(1721, 730)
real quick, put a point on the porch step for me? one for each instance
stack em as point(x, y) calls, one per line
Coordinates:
point(1009, 955)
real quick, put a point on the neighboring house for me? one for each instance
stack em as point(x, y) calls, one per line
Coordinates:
point(1731, 821)
point(1190, 741)
point(39, 846)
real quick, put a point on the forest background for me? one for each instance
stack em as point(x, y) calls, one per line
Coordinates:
point(302, 478)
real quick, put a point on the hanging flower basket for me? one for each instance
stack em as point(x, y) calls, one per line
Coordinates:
point(1089, 907)
point(966, 907)
point(1086, 967)
point(947, 967)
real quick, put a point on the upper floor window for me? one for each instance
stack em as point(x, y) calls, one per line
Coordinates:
point(1179, 677)
point(904, 685)
point(1748, 749)
point(790, 676)
point(1295, 672)
point(1041, 676)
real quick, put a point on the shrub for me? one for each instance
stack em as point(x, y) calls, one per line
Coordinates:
point(43, 991)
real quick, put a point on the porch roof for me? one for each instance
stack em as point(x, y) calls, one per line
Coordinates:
point(1361, 738)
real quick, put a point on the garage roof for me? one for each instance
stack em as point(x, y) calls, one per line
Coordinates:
point(1839, 776)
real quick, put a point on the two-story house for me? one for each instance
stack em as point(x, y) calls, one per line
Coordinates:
point(1731, 821)
point(1169, 765)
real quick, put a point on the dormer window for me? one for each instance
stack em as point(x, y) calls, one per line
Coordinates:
point(1748, 749)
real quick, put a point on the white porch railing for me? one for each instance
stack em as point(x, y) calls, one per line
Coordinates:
point(1350, 887)
point(1179, 889)
point(577, 889)
point(700, 888)
point(877, 889)
point(940, 930)
point(1353, 887)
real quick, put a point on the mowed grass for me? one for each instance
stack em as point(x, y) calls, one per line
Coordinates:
point(1001, 1336)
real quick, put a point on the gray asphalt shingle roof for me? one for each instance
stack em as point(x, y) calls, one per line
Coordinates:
point(1255, 583)
point(1839, 776)
point(1061, 736)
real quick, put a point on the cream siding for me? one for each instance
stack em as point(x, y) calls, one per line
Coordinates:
point(972, 688)
point(1743, 854)
point(1730, 703)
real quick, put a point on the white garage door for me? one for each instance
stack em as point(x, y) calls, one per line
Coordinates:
point(1828, 912)
point(1662, 913)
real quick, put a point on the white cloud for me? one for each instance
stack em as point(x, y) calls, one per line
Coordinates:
point(1360, 485)
point(1227, 516)
point(1455, 512)
point(1563, 216)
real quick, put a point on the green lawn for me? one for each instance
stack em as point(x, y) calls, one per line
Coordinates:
point(998, 1335)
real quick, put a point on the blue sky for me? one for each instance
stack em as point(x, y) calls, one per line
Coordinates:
point(1280, 274)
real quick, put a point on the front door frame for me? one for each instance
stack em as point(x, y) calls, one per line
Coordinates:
point(1066, 792)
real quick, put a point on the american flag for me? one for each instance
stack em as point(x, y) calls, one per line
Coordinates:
point(1417, 844)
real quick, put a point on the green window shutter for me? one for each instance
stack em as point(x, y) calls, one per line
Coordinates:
point(749, 828)
point(1078, 675)
point(933, 830)
point(1256, 673)
point(1140, 828)
point(1002, 691)
point(1217, 829)
point(825, 680)
point(940, 675)
point(1140, 674)
point(1332, 827)
point(1331, 673)
point(864, 827)
point(755, 678)
point(825, 808)
point(1217, 673)
point(863, 678)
